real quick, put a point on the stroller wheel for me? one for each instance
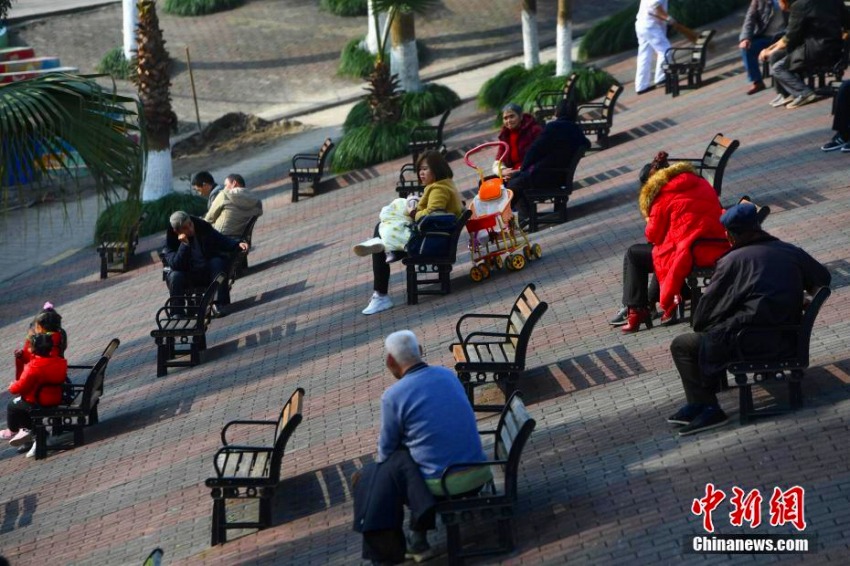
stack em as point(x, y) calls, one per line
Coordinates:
point(526, 251)
point(476, 274)
point(484, 270)
point(516, 261)
point(499, 263)
point(536, 251)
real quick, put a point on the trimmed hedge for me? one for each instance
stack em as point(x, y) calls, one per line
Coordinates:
point(617, 32)
point(345, 8)
point(199, 7)
point(516, 84)
point(120, 215)
point(114, 63)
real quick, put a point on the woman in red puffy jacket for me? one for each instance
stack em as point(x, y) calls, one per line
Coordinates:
point(42, 369)
point(48, 320)
point(679, 207)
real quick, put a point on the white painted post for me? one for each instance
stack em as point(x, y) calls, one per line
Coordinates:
point(131, 21)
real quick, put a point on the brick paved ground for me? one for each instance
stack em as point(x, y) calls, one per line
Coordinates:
point(605, 481)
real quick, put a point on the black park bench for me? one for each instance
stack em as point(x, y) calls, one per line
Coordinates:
point(598, 117)
point(547, 100)
point(497, 500)
point(712, 165)
point(688, 61)
point(78, 410)
point(497, 353)
point(116, 250)
point(558, 194)
point(181, 328)
point(309, 167)
point(251, 472)
point(427, 137)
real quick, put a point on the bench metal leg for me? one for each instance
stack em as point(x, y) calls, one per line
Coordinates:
point(745, 398)
point(506, 535)
point(162, 351)
point(266, 510)
point(294, 189)
point(40, 442)
point(219, 532)
point(412, 291)
point(103, 264)
point(453, 544)
point(93, 416)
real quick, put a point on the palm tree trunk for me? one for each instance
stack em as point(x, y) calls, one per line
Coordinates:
point(371, 41)
point(131, 20)
point(159, 174)
point(564, 41)
point(530, 42)
point(404, 60)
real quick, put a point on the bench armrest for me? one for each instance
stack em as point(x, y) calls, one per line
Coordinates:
point(672, 51)
point(589, 106)
point(304, 160)
point(476, 315)
point(233, 449)
point(469, 337)
point(164, 313)
point(79, 367)
point(242, 422)
point(466, 465)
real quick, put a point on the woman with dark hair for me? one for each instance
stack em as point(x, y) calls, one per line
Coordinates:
point(440, 196)
point(679, 207)
point(46, 321)
point(519, 132)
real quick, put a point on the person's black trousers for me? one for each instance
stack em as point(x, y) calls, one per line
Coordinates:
point(380, 268)
point(637, 266)
point(841, 120)
point(179, 282)
point(698, 388)
point(18, 415)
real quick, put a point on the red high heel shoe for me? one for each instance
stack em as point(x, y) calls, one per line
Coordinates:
point(637, 316)
point(671, 315)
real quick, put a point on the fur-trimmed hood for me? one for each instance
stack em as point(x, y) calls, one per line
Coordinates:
point(657, 181)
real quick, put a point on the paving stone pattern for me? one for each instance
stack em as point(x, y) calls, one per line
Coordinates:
point(604, 479)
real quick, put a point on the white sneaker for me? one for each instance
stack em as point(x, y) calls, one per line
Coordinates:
point(22, 437)
point(369, 247)
point(781, 100)
point(31, 453)
point(378, 303)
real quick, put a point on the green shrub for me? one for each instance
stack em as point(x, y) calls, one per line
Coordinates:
point(432, 101)
point(356, 62)
point(114, 63)
point(345, 8)
point(617, 32)
point(370, 144)
point(199, 7)
point(119, 216)
point(591, 83)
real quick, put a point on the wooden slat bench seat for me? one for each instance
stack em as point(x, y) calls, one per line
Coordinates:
point(712, 165)
point(498, 499)
point(179, 336)
point(688, 61)
point(309, 167)
point(598, 117)
point(115, 252)
point(251, 472)
point(80, 410)
point(500, 354)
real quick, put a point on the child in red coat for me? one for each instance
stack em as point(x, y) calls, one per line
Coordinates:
point(48, 320)
point(42, 369)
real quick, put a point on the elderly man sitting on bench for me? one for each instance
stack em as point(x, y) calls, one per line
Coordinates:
point(196, 252)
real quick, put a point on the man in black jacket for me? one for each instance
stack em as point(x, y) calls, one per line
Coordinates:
point(759, 282)
point(813, 38)
point(196, 252)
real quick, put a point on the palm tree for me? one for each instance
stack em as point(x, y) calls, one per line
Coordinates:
point(131, 20)
point(47, 120)
point(375, 29)
point(404, 59)
point(153, 81)
point(5, 6)
point(383, 86)
point(564, 39)
point(530, 42)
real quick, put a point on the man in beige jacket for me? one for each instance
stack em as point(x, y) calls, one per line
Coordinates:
point(233, 207)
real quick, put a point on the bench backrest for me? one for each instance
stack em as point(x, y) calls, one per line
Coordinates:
point(514, 428)
point(248, 231)
point(323, 154)
point(93, 389)
point(205, 306)
point(451, 240)
point(715, 158)
point(525, 313)
point(700, 49)
point(610, 100)
point(290, 417)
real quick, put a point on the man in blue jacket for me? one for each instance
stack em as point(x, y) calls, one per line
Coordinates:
point(427, 424)
point(196, 252)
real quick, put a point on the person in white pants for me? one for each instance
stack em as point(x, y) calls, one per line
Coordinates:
point(651, 30)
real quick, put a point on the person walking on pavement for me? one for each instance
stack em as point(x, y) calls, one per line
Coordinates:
point(651, 30)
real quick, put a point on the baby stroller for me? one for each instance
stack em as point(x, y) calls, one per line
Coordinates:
point(496, 239)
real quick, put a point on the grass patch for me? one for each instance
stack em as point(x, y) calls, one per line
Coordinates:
point(199, 7)
point(114, 63)
point(616, 33)
point(367, 145)
point(345, 8)
point(118, 217)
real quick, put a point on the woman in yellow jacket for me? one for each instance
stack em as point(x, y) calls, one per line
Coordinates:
point(440, 195)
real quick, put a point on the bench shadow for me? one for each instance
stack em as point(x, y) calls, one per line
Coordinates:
point(291, 256)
